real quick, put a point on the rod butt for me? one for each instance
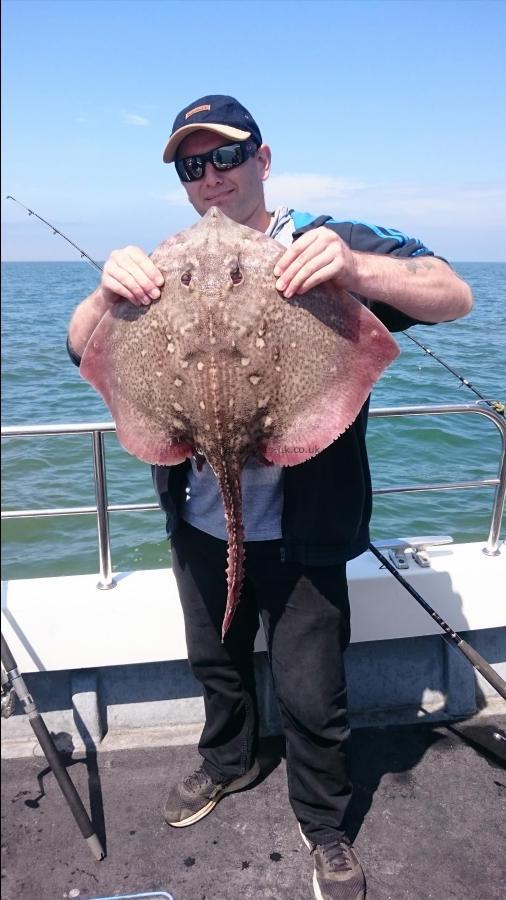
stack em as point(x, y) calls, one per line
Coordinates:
point(95, 847)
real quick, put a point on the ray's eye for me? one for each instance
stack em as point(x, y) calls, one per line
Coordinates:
point(236, 275)
point(186, 277)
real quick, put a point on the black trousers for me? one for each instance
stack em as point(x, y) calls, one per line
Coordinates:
point(306, 618)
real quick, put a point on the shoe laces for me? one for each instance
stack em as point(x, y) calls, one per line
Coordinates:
point(195, 781)
point(336, 854)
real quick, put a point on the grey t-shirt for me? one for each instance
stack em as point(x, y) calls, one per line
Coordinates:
point(261, 485)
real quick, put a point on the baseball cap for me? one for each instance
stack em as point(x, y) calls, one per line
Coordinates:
point(216, 112)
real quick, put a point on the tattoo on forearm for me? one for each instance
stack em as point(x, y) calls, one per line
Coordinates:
point(414, 264)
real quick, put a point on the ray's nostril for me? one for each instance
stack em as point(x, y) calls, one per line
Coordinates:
point(186, 278)
point(236, 276)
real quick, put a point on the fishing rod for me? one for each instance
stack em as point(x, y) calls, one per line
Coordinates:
point(450, 636)
point(56, 231)
point(496, 405)
point(14, 684)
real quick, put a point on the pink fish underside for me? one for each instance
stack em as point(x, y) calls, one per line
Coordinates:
point(225, 365)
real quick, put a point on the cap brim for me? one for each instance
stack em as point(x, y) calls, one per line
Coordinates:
point(227, 131)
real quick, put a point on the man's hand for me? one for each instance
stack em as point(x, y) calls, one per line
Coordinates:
point(317, 256)
point(130, 275)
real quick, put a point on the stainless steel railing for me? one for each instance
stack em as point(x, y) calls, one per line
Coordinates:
point(102, 508)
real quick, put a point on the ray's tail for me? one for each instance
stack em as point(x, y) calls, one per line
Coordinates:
point(228, 473)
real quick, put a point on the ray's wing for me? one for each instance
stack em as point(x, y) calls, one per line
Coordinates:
point(330, 350)
point(129, 359)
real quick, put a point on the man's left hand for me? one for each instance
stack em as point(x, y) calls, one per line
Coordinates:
point(317, 256)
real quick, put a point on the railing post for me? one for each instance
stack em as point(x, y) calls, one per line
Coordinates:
point(104, 545)
point(492, 546)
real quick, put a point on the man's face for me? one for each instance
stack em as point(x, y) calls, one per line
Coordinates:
point(237, 192)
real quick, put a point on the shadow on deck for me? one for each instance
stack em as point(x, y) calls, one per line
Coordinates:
point(427, 818)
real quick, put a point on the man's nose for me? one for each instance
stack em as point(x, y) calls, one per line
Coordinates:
point(211, 175)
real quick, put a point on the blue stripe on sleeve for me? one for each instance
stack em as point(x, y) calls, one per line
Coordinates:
point(398, 236)
point(301, 219)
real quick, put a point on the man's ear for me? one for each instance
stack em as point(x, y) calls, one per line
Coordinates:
point(263, 158)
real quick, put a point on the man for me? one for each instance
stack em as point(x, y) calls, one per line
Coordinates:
point(302, 524)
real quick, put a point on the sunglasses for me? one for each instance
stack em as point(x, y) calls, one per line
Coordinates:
point(191, 168)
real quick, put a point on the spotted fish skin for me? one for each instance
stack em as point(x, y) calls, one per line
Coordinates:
point(224, 364)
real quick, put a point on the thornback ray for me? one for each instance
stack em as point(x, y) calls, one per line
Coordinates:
point(224, 365)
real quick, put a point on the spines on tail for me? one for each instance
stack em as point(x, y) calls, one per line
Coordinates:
point(235, 570)
point(228, 473)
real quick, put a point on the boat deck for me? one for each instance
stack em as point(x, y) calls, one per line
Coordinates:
point(427, 818)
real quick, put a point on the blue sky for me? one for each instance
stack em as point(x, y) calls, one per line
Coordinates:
point(388, 112)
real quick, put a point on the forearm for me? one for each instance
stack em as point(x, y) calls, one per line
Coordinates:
point(85, 319)
point(424, 288)
point(421, 287)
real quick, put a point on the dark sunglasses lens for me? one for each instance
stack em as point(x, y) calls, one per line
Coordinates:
point(194, 167)
point(181, 169)
point(190, 169)
point(228, 157)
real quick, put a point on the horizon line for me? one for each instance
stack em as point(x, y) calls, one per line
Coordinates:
point(454, 261)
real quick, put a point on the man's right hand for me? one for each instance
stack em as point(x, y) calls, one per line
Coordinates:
point(130, 275)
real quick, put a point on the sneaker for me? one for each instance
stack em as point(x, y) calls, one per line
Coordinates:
point(338, 874)
point(197, 795)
